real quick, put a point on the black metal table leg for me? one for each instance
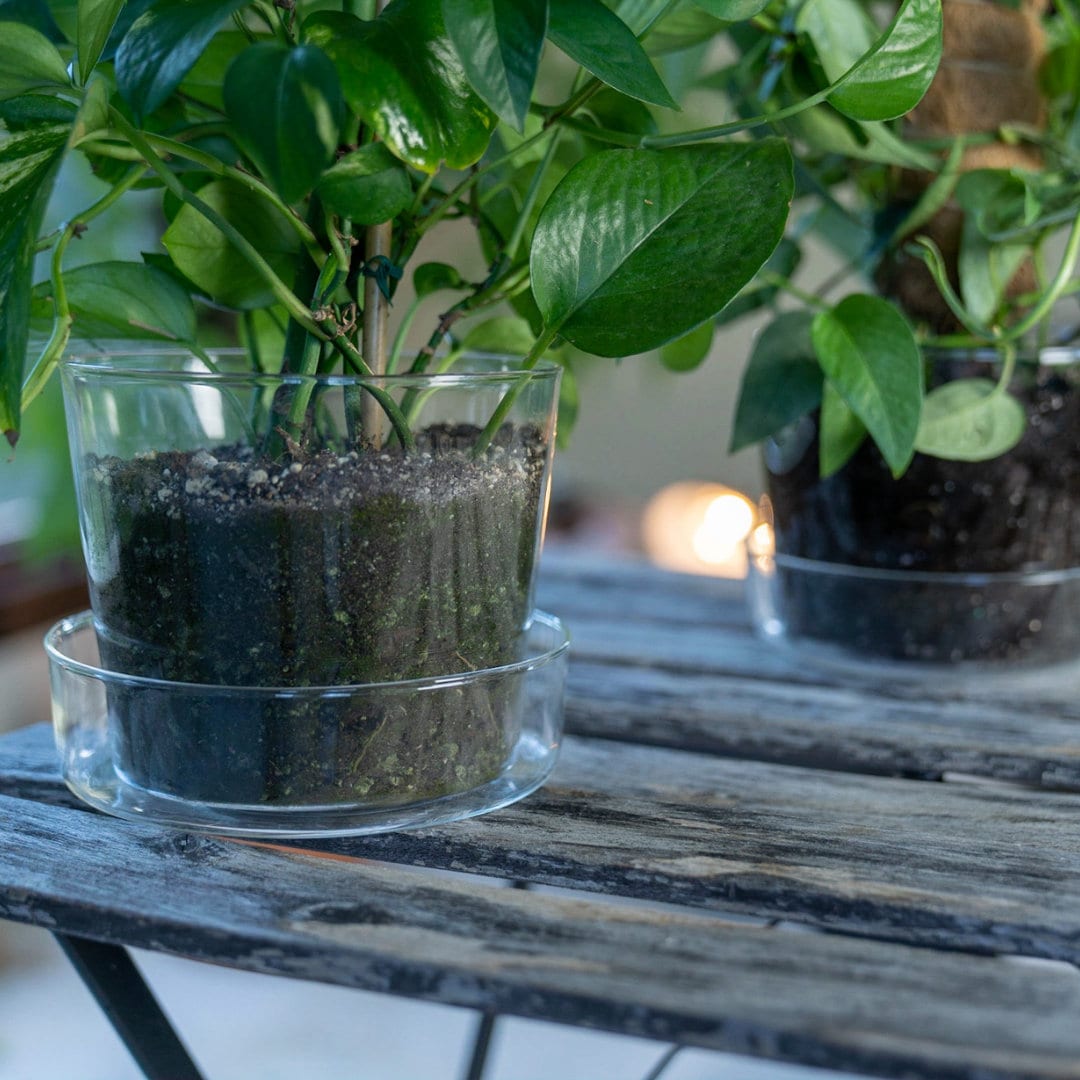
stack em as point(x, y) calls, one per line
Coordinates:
point(120, 990)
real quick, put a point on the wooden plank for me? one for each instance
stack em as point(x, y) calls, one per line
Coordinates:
point(817, 999)
point(849, 728)
point(627, 612)
point(942, 865)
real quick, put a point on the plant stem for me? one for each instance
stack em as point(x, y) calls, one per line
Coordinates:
point(295, 307)
point(62, 318)
point(530, 198)
point(1057, 286)
point(491, 429)
point(216, 166)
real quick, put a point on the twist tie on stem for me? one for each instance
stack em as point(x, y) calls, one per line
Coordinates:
point(382, 270)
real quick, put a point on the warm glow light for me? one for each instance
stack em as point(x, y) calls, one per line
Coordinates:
point(699, 529)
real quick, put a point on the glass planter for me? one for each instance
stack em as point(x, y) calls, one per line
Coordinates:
point(312, 596)
point(955, 562)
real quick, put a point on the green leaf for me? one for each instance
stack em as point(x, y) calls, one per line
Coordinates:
point(499, 42)
point(29, 161)
point(162, 46)
point(28, 61)
point(36, 110)
point(732, 10)
point(40, 14)
point(286, 107)
point(369, 185)
point(763, 289)
point(401, 74)
point(868, 352)
point(682, 28)
point(602, 43)
point(824, 129)
point(206, 80)
point(433, 277)
point(880, 79)
point(998, 200)
point(95, 22)
point(636, 247)
point(969, 420)
point(204, 255)
point(985, 271)
point(782, 380)
point(689, 351)
point(120, 300)
point(504, 335)
point(840, 432)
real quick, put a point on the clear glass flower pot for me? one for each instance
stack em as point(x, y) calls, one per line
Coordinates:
point(311, 552)
point(954, 563)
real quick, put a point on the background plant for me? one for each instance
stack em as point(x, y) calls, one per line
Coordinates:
point(960, 220)
point(304, 154)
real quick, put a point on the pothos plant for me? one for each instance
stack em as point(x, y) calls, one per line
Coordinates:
point(957, 228)
point(305, 153)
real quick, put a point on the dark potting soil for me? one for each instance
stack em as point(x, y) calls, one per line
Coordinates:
point(322, 570)
point(1019, 512)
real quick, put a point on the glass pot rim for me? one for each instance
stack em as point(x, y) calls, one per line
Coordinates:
point(135, 365)
point(1027, 356)
point(68, 627)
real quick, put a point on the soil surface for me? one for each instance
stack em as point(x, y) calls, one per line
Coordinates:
point(333, 568)
point(1019, 512)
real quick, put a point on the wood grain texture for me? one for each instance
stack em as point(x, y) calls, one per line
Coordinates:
point(671, 660)
point(943, 865)
point(819, 999)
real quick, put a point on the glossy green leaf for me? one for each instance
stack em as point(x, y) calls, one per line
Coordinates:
point(122, 300)
point(868, 352)
point(689, 351)
point(499, 42)
point(433, 277)
point(205, 256)
point(602, 43)
point(618, 265)
point(840, 432)
point(369, 185)
point(95, 22)
point(29, 161)
point(162, 46)
point(969, 420)
point(28, 61)
point(782, 380)
point(401, 74)
point(285, 105)
point(732, 10)
point(883, 78)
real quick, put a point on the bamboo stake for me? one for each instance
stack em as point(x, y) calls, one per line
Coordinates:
point(377, 243)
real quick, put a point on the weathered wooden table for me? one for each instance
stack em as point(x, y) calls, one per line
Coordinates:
point(932, 830)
